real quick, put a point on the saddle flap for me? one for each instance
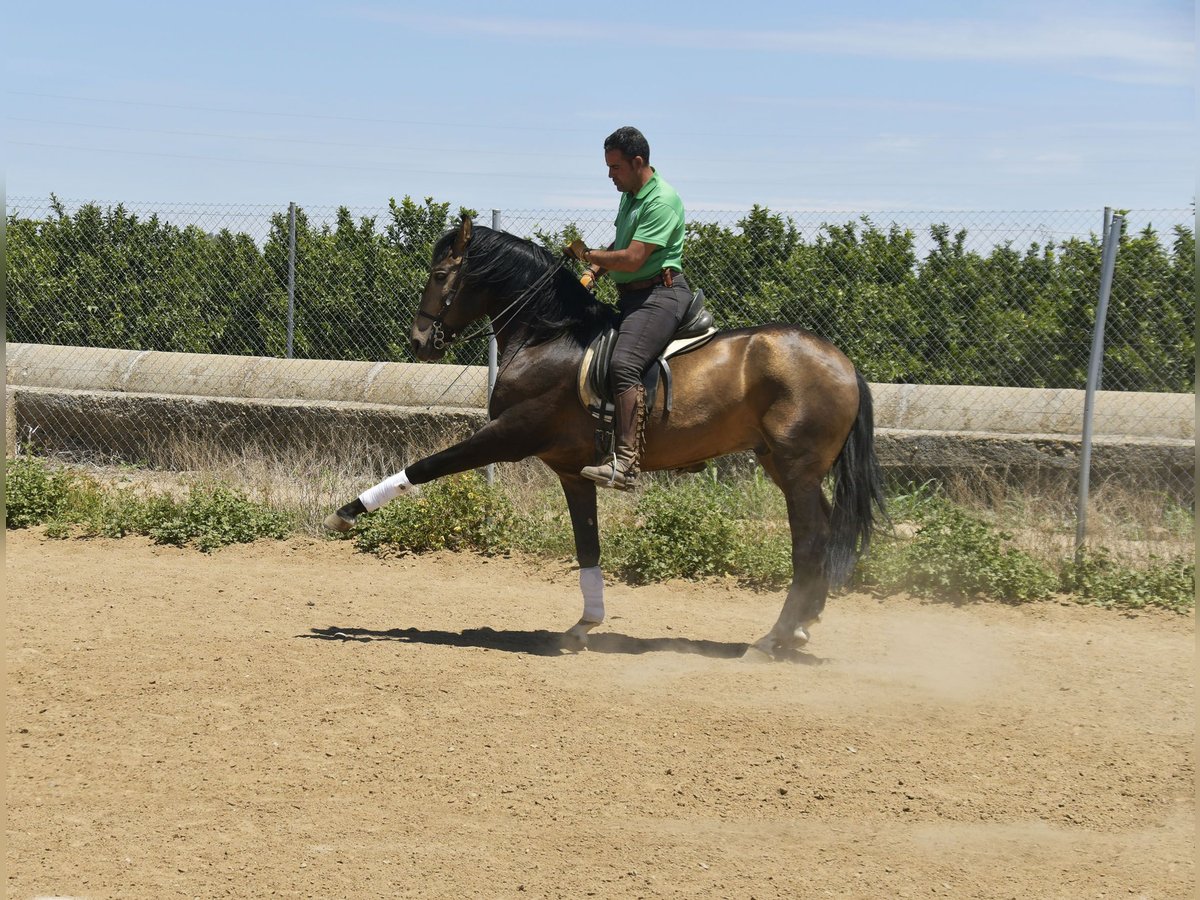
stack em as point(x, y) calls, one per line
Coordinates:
point(593, 373)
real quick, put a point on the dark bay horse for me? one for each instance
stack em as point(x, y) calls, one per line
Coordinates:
point(788, 395)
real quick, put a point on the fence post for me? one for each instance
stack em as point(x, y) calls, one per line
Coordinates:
point(291, 314)
point(493, 359)
point(1108, 261)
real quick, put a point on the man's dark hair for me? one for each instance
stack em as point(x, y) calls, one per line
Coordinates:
point(629, 141)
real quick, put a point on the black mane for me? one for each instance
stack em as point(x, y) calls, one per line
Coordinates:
point(507, 266)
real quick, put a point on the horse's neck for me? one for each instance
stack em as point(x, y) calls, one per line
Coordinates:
point(507, 319)
point(513, 315)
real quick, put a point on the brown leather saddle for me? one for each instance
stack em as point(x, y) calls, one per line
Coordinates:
point(595, 391)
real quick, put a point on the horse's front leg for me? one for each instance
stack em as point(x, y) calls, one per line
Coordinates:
point(501, 440)
point(581, 501)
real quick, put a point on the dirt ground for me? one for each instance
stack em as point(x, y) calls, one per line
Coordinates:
point(190, 725)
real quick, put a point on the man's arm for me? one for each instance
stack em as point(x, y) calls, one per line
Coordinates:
point(630, 259)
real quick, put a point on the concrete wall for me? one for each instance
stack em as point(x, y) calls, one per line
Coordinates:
point(244, 377)
point(132, 404)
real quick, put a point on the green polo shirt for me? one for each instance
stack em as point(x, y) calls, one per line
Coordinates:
point(653, 216)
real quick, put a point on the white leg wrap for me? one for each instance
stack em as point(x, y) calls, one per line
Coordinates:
point(591, 583)
point(388, 489)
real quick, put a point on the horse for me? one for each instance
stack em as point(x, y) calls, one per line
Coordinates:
point(778, 390)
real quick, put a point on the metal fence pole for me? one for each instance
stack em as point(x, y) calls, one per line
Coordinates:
point(1108, 260)
point(291, 314)
point(493, 359)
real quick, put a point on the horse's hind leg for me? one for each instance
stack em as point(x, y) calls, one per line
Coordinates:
point(808, 517)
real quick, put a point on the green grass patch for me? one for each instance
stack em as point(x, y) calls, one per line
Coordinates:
point(70, 503)
point(461, 512)
point(1099, 579)
point(679, 527)
point(698, 527)
point(213, 516)
point(34, 493)
point(955, 554)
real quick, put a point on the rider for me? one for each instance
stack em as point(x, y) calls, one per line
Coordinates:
point(645, 262)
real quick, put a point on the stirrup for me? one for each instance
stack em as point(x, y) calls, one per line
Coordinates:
point(627, 479)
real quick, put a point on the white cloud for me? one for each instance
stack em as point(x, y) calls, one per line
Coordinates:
point(896, 143)
point(1107, 46)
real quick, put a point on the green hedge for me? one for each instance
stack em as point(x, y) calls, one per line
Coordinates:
point(1010, 316)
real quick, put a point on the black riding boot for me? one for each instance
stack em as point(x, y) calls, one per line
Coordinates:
point(620, 470)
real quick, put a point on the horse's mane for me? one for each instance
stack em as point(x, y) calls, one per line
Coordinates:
point(508, 265)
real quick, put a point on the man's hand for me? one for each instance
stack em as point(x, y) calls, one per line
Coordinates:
point(577, 249)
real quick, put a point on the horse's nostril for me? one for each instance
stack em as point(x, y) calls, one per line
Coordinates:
point(416, 346)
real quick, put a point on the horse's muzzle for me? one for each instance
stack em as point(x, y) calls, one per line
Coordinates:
point(424, 349)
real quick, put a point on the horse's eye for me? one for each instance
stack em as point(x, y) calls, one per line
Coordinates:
point(439, 276)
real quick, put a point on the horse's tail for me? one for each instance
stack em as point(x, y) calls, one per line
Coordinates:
point(858, 501)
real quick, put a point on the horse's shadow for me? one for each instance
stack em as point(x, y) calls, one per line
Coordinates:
point(548, 643)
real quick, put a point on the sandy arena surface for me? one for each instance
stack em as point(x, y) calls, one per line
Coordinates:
point(182, 725)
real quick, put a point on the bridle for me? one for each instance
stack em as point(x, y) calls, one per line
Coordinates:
point(443, 338)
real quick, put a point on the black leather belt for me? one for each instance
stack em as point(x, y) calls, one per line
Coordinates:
point(666, 276)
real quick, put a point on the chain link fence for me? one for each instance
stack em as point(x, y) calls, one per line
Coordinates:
point(964, 300)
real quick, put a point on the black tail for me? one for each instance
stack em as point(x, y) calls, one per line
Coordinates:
point(857, 494)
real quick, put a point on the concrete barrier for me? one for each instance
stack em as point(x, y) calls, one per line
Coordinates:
point(1007, 410)
point(243, 377)
point(135, 404)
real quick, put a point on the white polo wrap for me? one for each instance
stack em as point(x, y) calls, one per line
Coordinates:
point(591, 583)
point(388, 489)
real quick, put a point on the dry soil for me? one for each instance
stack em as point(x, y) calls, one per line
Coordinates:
point(301, 720)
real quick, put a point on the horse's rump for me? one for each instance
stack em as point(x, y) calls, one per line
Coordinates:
point(771, 389)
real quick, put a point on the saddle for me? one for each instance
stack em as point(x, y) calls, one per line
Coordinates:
point(595, 391)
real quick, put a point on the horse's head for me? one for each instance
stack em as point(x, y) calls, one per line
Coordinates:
point(445, 308)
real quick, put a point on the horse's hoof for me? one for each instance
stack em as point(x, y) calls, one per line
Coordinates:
point(756, 654)
point(575, 638)
point(772, 647)
point(334, 522)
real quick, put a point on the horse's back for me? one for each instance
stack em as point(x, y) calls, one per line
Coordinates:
point(779, 357)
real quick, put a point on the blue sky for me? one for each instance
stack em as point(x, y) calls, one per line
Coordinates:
point(795, 105)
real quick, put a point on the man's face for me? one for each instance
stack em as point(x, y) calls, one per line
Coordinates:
point(625, 173)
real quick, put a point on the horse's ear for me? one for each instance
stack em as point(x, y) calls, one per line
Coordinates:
point(463, 237)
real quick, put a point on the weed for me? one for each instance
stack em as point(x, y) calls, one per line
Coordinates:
point(958, 554)
point(696, 527)
point(66, 501)
point(34, 493)
point(457, 513)
point(1005, 546)
point(214, 516)
point(1097, 578)
point(685, 532)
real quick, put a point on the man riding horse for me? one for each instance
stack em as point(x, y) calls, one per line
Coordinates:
point(645, 262)
point(778, 390)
